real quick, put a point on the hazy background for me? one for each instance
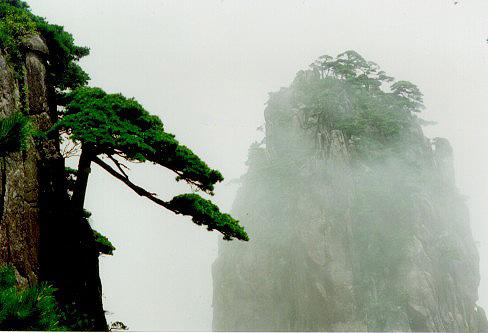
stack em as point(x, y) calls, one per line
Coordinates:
point(206, 67)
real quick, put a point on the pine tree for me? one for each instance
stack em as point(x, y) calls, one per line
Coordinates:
point(115, 127)
point(110, 130)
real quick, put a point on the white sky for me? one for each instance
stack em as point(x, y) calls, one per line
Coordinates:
point(205, 67)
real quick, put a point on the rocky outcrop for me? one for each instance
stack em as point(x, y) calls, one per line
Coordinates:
point(347, 245)
point(20, 192)
point(37, 236)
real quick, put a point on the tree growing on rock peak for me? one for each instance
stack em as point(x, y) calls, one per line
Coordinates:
point(354, 95)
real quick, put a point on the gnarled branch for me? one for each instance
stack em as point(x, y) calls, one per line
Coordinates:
point(139, 190)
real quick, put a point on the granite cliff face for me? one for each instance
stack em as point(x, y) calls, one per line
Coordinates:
point(37, 237)
point(346, 243)
point(20, 191)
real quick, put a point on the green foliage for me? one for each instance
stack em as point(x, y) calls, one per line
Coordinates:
point(63, 56)
point(16, 3)
point(7, 277)
point(30, 309)
point(70, 171)
point(15, 25)
point(408, 96)
point(351, 66)
point(14, 133)
point(111, 124)
point(115, 126)
point(204, 212)
point(104, 246)
point(17, 22)
point(351, 94)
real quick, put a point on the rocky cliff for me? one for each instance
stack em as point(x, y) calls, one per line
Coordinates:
point(20, 193)
point(37, 237)
point(351, 230)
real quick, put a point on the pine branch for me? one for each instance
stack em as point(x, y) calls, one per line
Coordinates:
point(139, 190)
point(202, 211)
point(119, 166)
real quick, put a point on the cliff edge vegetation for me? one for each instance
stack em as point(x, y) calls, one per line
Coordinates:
point(48, 250)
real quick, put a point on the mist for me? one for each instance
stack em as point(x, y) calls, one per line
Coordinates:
point(206, 67)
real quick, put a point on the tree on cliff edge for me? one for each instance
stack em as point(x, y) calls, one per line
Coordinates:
point(110, 129)
point(115, 127)
point(111, 125)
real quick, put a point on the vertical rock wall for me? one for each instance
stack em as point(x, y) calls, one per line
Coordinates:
point(341, 245)
point(20, 193)
point(37, 236)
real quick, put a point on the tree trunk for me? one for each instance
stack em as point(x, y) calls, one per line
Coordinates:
point(79, 194)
